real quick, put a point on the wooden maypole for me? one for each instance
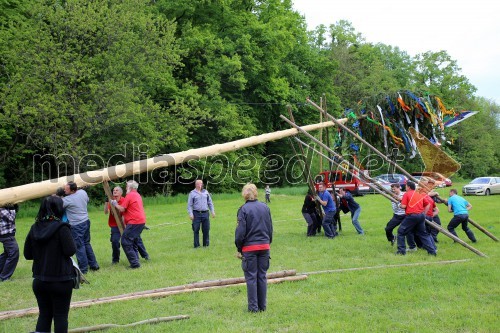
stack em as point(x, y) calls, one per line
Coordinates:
point(47, 187)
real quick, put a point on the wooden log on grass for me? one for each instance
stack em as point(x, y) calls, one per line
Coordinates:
point(103, 327)
point(275, 277)
point(40, 189)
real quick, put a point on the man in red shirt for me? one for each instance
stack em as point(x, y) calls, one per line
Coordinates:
point(433, 211)
point(115, 232)
point(134, 216)
point(415, 208)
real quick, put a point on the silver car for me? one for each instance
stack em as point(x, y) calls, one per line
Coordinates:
point(482, 186)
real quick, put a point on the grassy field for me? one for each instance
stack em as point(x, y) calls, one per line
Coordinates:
point(414, 293)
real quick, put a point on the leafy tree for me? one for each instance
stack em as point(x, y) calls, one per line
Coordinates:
point(438, 74)
point(83, 78)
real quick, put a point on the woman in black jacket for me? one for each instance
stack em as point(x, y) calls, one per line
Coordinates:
point(50, 245)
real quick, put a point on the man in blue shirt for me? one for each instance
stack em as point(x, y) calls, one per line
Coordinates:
point(199, 205)
point(326, 200)
point(460, 209)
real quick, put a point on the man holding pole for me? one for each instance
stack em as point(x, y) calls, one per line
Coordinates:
point(354, 208)
point(135, 220)
point(415, 208)
point(397, 218)
point(325, 199)
point(112, 223)
point(75, 205)
point(460, 209)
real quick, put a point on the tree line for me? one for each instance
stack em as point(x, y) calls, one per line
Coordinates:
point(86, 84)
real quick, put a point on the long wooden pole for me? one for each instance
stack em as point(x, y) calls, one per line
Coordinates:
point(276, 277)
point(388, 160)
point(431, 223)
point(308, 176)
point(40, 189)
point(103, 327)
point(480, 227)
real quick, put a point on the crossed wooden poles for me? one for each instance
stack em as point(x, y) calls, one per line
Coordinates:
point(391, 162)
point(375, 186)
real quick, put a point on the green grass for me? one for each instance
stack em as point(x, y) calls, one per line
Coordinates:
point(459, 297)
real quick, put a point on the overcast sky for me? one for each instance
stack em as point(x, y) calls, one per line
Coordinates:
point(469, 31)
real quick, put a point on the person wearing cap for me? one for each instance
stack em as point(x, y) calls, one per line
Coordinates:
point(415, 208)
point(198, 207)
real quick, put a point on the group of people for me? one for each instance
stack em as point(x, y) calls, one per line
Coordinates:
point(62, 229)
point(411, 209)
point(418, 205)
point(331, 204)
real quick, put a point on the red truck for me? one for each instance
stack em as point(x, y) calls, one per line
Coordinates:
point(341, 180)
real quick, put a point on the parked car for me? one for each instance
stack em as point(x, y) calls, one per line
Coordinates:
point(394, 178)
point(482, 186)
point(441, 181)
point(381, 182)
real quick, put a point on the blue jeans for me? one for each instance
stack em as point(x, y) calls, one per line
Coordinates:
point(115, 244)
point(415, 223)
point(84, 252)
point(129, 239)
point(355, 222)
point(201, 220)
point(9, 258)
point(255, 265)
point(328, 225)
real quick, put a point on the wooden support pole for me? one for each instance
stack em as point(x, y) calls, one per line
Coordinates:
point(342, 270)
point(103, 327)
point(370, 185)
point(307, 174)
point(388, 160)
point(486, 232)
point(430, 223)
point(113, 210)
